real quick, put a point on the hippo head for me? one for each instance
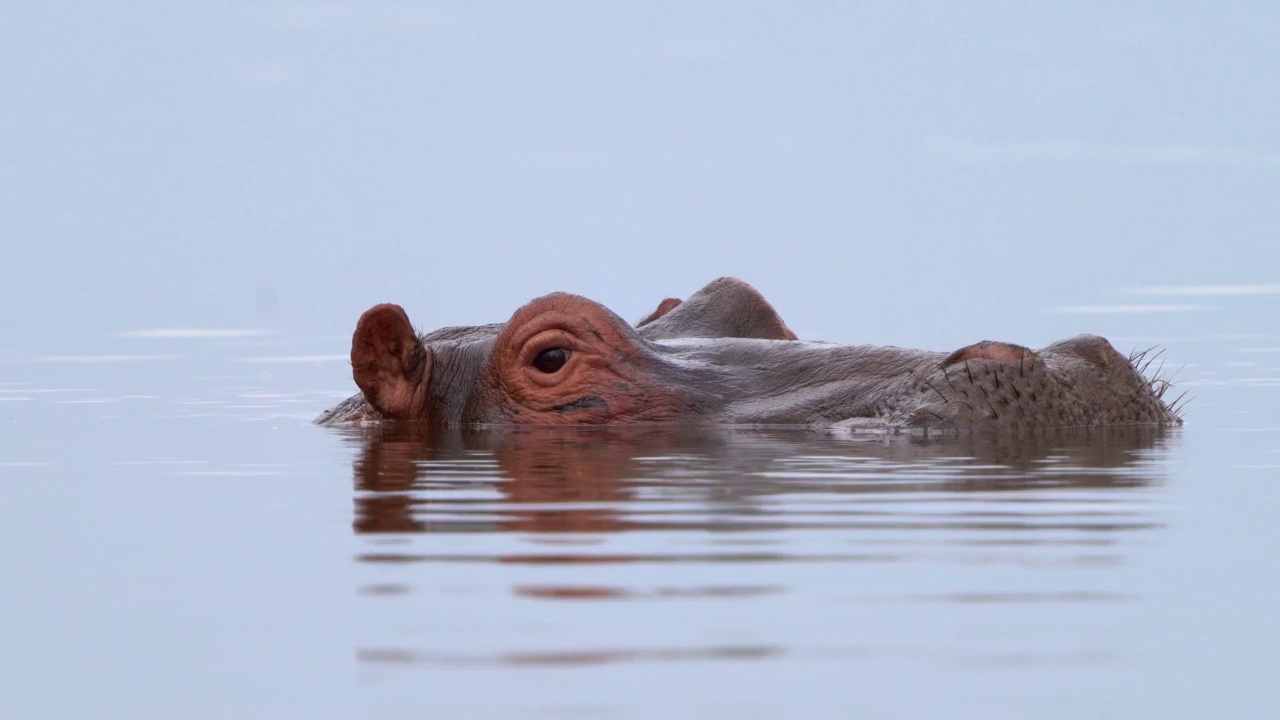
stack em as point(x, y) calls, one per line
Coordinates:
point(724, 355)
point(560, 359)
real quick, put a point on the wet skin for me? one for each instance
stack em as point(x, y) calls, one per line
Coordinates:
point(724, 355)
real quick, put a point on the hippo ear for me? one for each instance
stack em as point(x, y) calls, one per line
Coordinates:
point(989, 350)
point(725, 308)
point(664, 307)
point(389, 363)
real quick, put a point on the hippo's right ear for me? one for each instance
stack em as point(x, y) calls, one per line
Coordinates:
point(664, 307)
point(390, 364)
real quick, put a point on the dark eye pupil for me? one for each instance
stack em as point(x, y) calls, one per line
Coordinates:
point(551, 360)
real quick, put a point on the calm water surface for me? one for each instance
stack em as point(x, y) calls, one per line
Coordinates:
point(181, 542)
point(198, 199)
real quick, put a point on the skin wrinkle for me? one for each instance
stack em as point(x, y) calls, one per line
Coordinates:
point(590, 401)
point(702, 358)
point(595, 332)
point(462, 362)
point(931, 387)
point(785, 388)
point(604, 357)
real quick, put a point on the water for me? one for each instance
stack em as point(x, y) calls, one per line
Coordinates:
point(199, 199)
point(182, 542)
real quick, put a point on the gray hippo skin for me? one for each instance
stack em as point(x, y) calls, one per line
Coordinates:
point(724, 355)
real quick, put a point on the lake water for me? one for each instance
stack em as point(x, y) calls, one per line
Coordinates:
point(198, 199)
point(180, 541)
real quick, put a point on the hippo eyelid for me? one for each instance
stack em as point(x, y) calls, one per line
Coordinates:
point(548, 356)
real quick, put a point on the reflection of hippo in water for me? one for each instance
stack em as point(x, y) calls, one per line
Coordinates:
point(595, 479)
point(724, 355)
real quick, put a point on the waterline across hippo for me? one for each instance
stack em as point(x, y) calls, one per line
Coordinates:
point(725, 356)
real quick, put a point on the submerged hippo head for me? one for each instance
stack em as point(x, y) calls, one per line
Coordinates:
point(563, 359)
point(724, 355)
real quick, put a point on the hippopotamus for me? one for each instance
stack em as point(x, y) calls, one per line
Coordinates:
point(724, 355)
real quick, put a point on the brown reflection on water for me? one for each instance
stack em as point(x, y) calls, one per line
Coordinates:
point(561, 483)
point(673, 558)
point(534, 472)
point(563, 519)
point(569, 658)
point(720, 653)
point(581, 592)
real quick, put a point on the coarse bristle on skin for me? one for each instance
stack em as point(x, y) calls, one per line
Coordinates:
point(1160, 382)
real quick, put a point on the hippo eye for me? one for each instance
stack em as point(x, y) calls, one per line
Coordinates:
point(551, 360)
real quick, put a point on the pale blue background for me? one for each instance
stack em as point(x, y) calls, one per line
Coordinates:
point(896, 172)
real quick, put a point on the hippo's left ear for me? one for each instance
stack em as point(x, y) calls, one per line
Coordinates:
point(389, 363)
